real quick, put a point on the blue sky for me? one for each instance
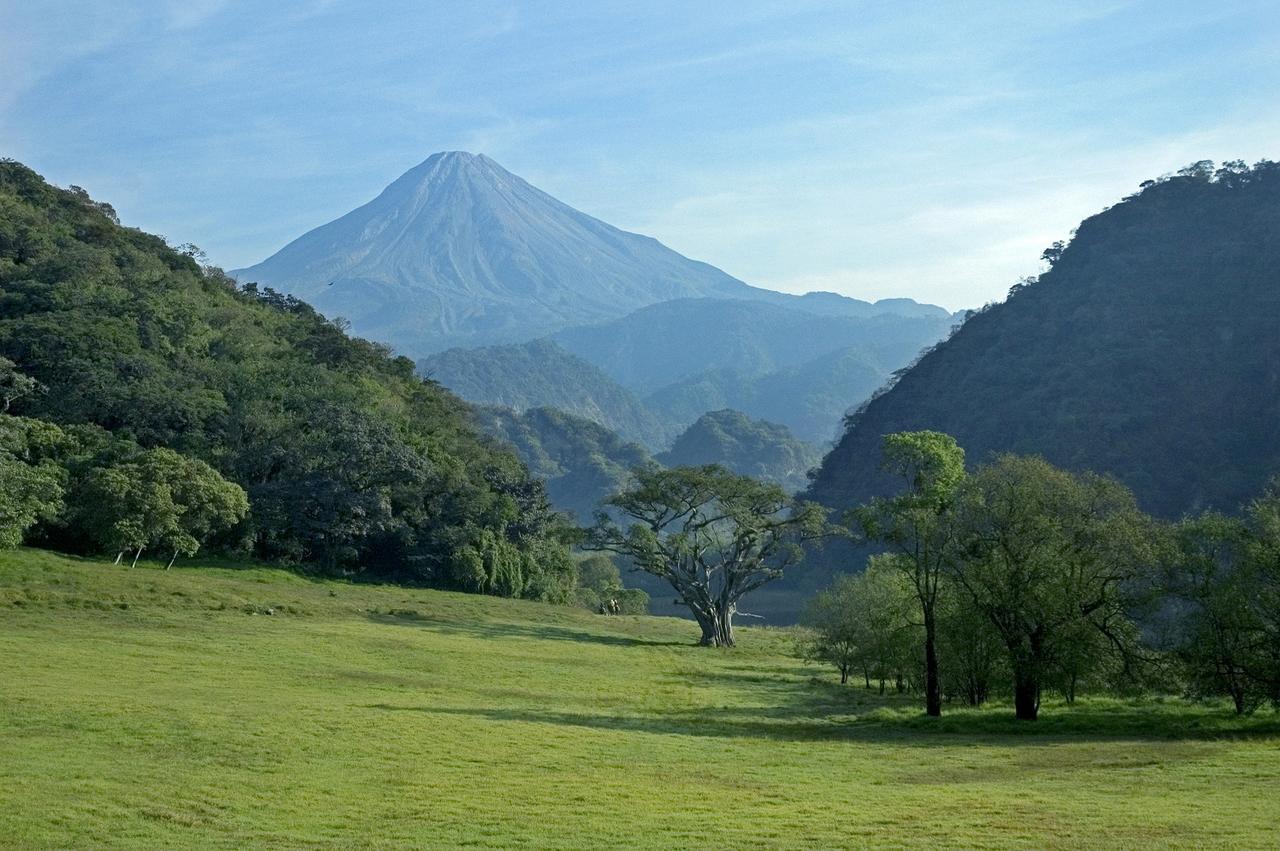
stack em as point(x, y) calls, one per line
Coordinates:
point(878, 149)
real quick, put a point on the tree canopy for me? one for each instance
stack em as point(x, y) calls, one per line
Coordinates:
point(714, 535)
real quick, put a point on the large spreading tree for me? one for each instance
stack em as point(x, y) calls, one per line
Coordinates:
point(712, 534)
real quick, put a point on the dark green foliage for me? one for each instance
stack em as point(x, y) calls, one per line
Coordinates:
point(1225, 579)
point(542, 374)
point(754, 448)
point(1148, 351)
point(32, 483)
point(1051, 559)
point(349, 460)
point(581, 462)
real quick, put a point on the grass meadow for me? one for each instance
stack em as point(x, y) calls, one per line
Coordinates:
point(213, 706)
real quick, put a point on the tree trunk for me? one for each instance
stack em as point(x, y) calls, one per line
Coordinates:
point(1026, 693)
point(136, 556)
point(717, 627)
point(932, 686)
point(119, 556)
point(844, 674)
point(866, 678)
point(172, 560)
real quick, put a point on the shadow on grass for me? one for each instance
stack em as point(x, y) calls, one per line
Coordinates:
point(987, 727)
point(490, 629)
point(774, 703)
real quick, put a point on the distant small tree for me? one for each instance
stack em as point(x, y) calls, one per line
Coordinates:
point(917, 527)
point(600, 584)
point(866, 622)
point(713, 535)
point(836, 633)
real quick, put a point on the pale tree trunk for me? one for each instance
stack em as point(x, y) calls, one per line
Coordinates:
point(119, 556)
point(172, 560)
point(137, 556)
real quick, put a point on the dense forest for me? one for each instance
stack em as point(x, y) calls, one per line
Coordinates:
point(581, 462)
point(1148, 351)
point(131, 371)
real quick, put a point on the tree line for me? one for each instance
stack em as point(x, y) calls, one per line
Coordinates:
point(1019, 578)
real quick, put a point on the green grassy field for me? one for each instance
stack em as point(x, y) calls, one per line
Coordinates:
point(143, 708)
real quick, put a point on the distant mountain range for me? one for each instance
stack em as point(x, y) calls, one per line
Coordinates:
point(652, 373)
point(541, 374)
point(754, 448)
point(512, 298)
point(583, 463)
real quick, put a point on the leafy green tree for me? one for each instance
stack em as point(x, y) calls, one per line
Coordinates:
point(1047, 554)
point(158, 499)
point(917, 526)
point(836, 634)
point(1224, 576)
point(713, 535)
point(970, 650)
point(866, 622)
point(600, 588)
point(31, 481)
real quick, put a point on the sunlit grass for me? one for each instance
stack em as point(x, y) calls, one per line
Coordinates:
point(167, 709)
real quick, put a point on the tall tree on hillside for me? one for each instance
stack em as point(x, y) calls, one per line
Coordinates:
point(917, 526)
point(712, 534)
point(1047, 555)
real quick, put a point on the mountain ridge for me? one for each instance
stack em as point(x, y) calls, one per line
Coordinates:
point(459, 252)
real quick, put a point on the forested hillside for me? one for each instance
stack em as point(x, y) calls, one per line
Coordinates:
point(348, 459)
point(1149, 350)
point(581, 462)
point(810, 398)
point(674, 340)
point(542, 374)
point(755, 448)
